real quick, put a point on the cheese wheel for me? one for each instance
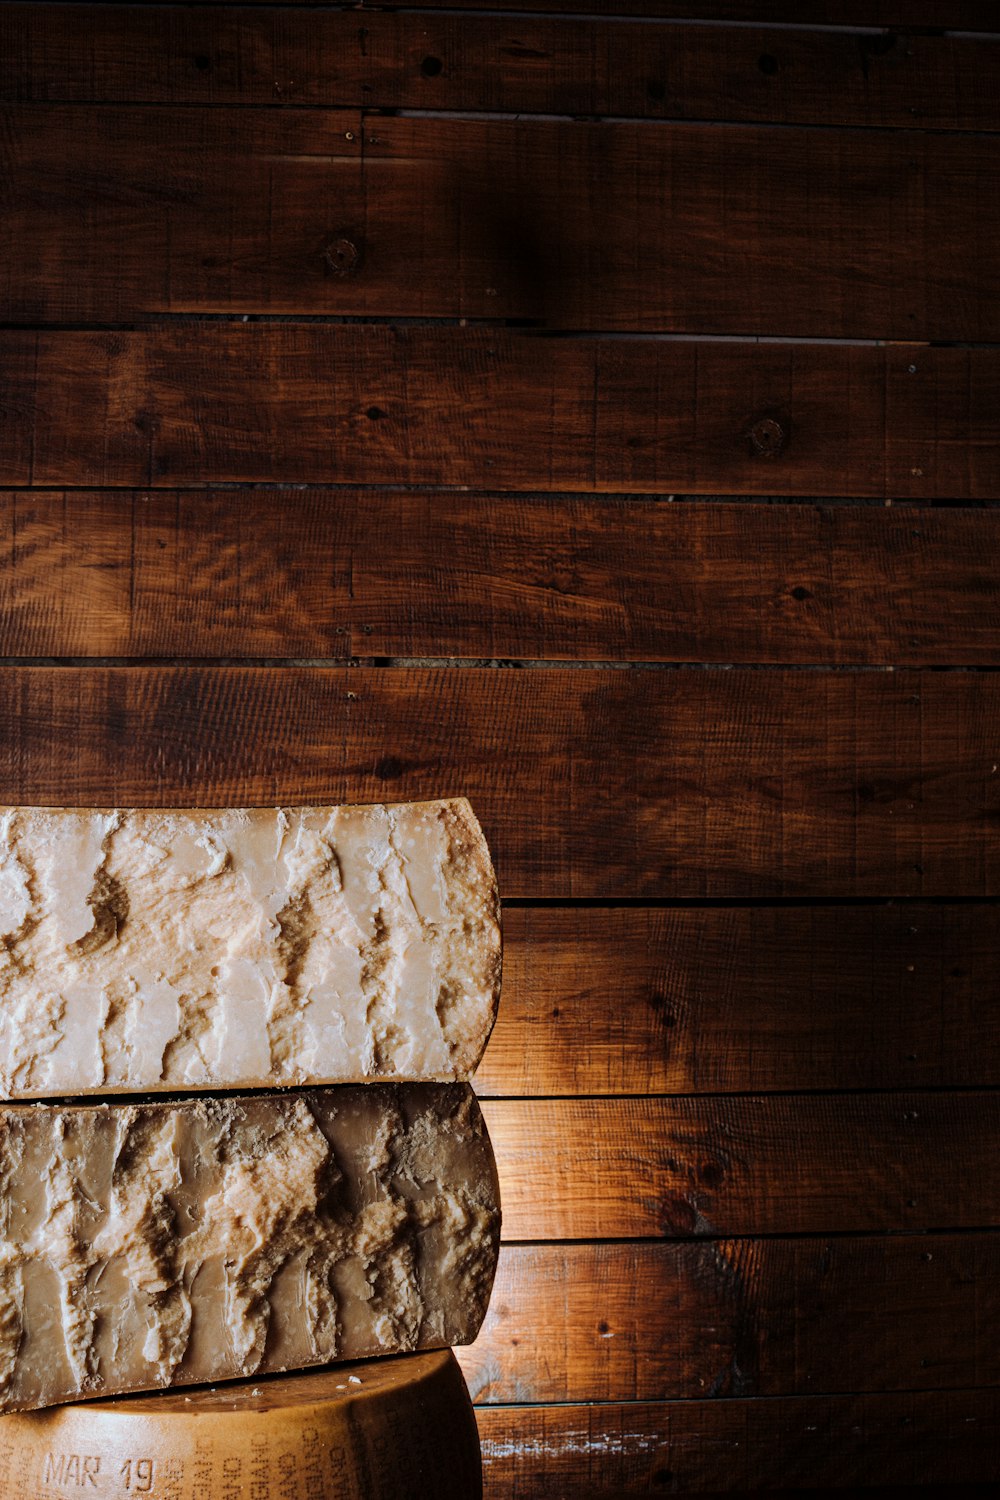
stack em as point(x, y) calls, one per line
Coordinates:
point(387, 1429)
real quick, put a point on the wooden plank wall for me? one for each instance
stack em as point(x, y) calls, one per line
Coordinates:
point(596, 415)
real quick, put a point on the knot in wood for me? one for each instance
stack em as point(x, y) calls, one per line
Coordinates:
point(341, 255)
point(768, 436)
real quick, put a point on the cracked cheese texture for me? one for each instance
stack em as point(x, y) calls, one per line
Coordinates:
point(144, 950)
point(152, 1245)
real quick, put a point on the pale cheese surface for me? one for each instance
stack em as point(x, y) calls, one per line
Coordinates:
point(200, 949)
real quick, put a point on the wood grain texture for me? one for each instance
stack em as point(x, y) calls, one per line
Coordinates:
point(221, 574)
point(592, 1169)
point(199, 404)
point(962, 15)
point(701, 1001)
point(904, 1438)
point(342, 573)
point(214, 54)
point(701, 230)
point(238, 215)
point(590, 783)
point(737, 1318)
point(684, 228)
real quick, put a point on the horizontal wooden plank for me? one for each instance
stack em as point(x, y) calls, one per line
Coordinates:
point(807, 233)
point(702, 1000)
point(336, 574)
point(575, 1169)
point(647, 1322)
point(224, 574)
point(553, 1487)
point(958, 15)
point(684, 228)
point(909, 1438)
point(591, 783)
point(239, 214)
point(968, 15)
point(476, 407)
point(213, 54)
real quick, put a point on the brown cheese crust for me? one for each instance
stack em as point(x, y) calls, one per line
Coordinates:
point(231, 948)
point(385, 1429)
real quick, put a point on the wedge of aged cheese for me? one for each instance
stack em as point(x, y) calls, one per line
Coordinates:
point(180, 950)
point(391, 1429)
point(149, 1245)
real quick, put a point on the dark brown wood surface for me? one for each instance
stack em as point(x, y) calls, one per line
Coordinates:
point(700, 229)
point(936, 14)
point(754, 1317)
point(200, 403)
point(708, 1000)
point(239, 214)
point(717, 1446)
point(436, 60)
point(685, 228)
point(979, 15)
point(336, 574)
point(292, 515)
point(608, 1169)
point(960, 14)
point(592, 782)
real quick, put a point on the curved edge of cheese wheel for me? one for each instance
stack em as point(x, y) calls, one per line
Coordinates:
point(378, 1429)
point(491, 949)
point(120, 972)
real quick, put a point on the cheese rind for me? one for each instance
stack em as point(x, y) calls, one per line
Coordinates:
point(233, 948)
point(153, 1245)
point(388, 1429)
